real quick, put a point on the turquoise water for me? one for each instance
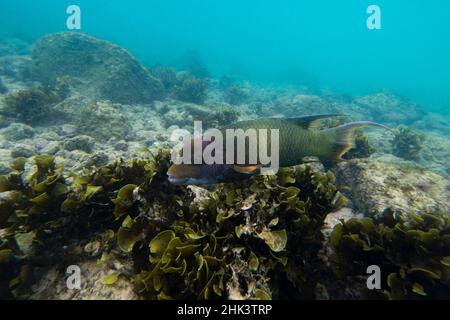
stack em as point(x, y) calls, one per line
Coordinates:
point(319, 44)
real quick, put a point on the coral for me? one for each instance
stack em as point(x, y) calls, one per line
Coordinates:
point(412, 253)
point(102, 121)
point(32, 106)
point(191, 89)
point(96, 68)
point(407, 143)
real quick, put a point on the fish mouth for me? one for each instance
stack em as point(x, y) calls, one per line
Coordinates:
point(189, 181)
point(176, 180)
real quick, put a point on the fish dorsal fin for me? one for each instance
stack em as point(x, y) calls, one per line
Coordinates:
point(312, 122)
point(252, 169)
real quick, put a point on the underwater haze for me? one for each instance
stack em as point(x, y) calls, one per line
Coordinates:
point(98, 96)
point(318, 44)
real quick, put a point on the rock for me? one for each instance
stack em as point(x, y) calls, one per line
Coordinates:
point(13, 46)
point(302, 104)
point(18, 131)
point(183, 114)
point(40, 143)
point(3, 88)
point(5, 144)
point(388, 108)
point(68, 130)
point(436, 153)
point(97, 159)
point(23, 150)
point(389, 182)
point(121, 145)
point(3, 121)
point(72, 160)
point(4, 169)
point(103, 121)
point(5, 159)
point(15, 67)
point(97, 68)
point(51, 148)
point(435, 122)
point(81, 142)
point(52, 284)
point(50, 136)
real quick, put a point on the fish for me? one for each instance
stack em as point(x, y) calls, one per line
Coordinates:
point(298, 138)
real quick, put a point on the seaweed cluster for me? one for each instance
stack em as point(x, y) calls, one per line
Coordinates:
point(31, 106)
point(241, 240)
point(29, 210)
point(256, 239)
point(191, 89)
point(362, 148)
point(42, 213)
point(407, 143)
point(413, 253)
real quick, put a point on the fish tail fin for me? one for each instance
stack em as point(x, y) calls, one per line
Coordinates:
point(344, 137)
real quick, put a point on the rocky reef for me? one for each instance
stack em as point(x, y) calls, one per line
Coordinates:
point(97, 68)
point(84, 148)
point(378, 183)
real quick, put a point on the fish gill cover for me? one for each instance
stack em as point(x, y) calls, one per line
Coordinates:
point(87, 123)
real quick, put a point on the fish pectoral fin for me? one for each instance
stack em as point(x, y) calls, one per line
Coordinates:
point(246, 169)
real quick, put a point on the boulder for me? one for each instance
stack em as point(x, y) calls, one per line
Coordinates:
point(18, 131)
point(375, 184)
point(81, 142)
point(96, 68)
